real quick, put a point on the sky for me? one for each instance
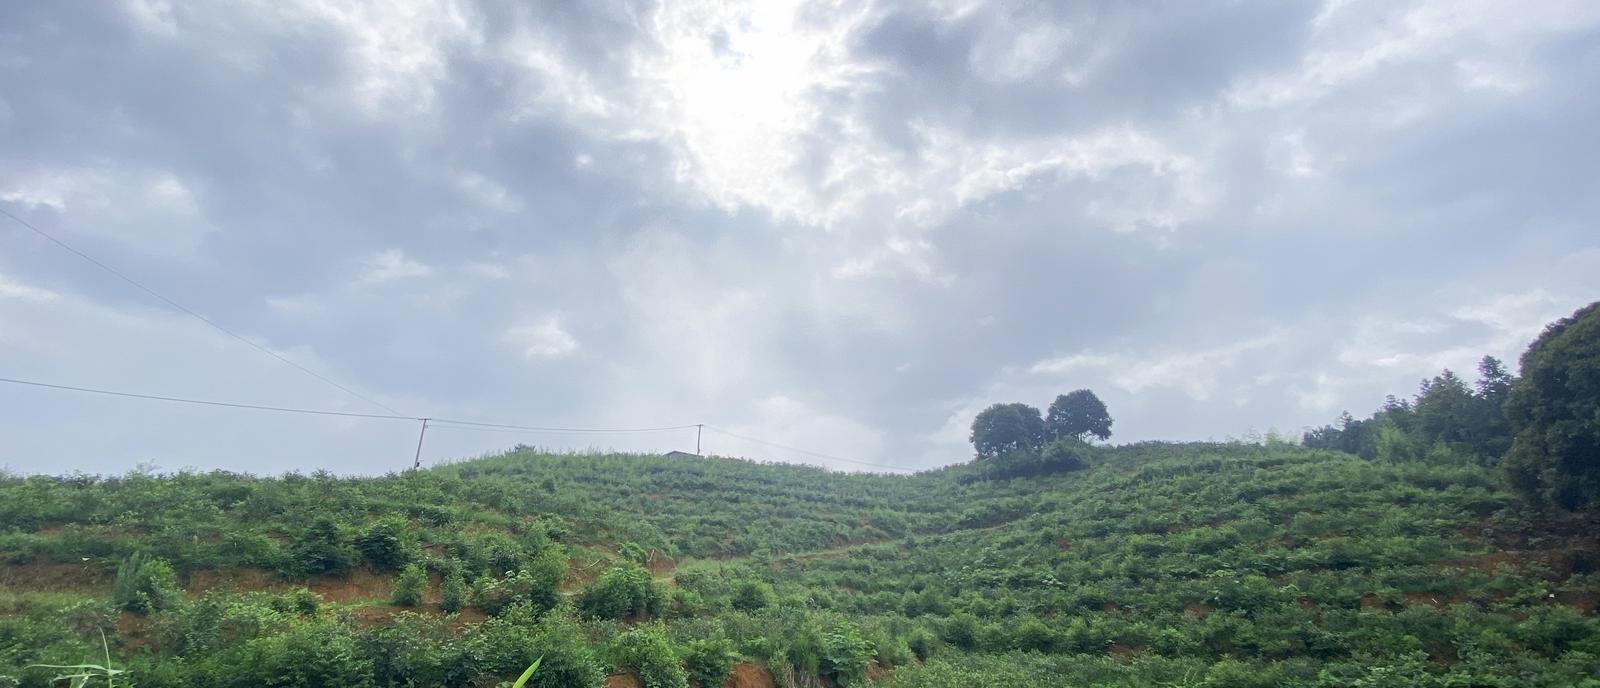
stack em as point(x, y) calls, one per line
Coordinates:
point(839, 227)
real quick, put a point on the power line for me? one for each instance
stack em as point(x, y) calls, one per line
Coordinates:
point(807, 452)
point(531, 428)
point(435, 422)
point(203, 402)
point(193, 314)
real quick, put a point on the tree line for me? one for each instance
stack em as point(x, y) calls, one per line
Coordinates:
point(1541, 428)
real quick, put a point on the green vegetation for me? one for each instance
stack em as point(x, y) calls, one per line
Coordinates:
point(1387, 551)
point(1555, 415)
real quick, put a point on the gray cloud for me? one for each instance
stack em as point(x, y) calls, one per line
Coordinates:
point(844, 229)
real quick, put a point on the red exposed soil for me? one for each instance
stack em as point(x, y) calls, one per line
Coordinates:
point(659, 564)
point(48, 576)
point(360, 586)
point(581, 572)
point(131, 628)
point(748, 675)
point(623, 681)
point(1587, 603)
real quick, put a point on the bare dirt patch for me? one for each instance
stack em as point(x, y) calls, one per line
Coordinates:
point(623, 681)
point(659, 564)
point(748, 675)
point(87, 576)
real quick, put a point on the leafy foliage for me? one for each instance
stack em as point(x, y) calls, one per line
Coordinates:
point(624, 591)
point(707, 661)
point(1006, 427)
point(385, 544)
point(144, 584)
point(409, 587)
point(647, 651)
point(1555, 415)
point(1078, 415)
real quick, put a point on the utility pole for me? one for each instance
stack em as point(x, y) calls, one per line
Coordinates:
point(417, 462)
point(698, 427)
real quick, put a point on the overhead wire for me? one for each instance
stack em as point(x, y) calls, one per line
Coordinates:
point(474, 425)
point(204, 402)
point(120, 275)
point(392, 415)
point(436, 422)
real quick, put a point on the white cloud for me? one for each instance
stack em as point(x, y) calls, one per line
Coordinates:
point(1358, 42)
point(147, 209)
point(488, 270)
point(739, 116)
point(487, 192)
point(1198, 373)
point(390, 265)
point(11, 289)
point(543, 339)
point(782, 419)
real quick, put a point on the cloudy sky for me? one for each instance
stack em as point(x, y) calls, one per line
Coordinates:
point(844, 227)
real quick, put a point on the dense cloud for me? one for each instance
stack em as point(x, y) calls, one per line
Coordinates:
point(840, 227)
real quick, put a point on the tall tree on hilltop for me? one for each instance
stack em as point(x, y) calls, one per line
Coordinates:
point(1554, 411)
point(1078, 414)
point(1445, 409)
point(1003, 427)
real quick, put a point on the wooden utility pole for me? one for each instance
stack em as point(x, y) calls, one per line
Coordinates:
point(697, 429)
point(417, 462)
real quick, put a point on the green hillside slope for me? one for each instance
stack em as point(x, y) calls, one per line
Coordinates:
point(1156, 565)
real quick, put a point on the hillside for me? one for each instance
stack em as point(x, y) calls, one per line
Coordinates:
point(1155, 565)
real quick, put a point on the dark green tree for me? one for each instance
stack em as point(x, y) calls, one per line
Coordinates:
point(1078, 414)
point(1554, 411)
point(1491, 429)
point(1445, 410)
point(1003, 427)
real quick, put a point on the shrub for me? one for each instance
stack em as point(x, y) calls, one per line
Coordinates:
point(845, 654)
point(308, 655)
point(632, 551)
point(622, 591)
point(961, 631)
point(452, 591)
point(385, 544)
point(647, 651)
point(708, 660)
point(922, 643)
point(409, 587)
point(144, 584)
point(538, 585)
point(751, 595)
point(321, 549)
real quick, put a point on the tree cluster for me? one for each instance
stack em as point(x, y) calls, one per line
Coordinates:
point(1542, 429)
point(1003, 428)
point(1447, 413)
